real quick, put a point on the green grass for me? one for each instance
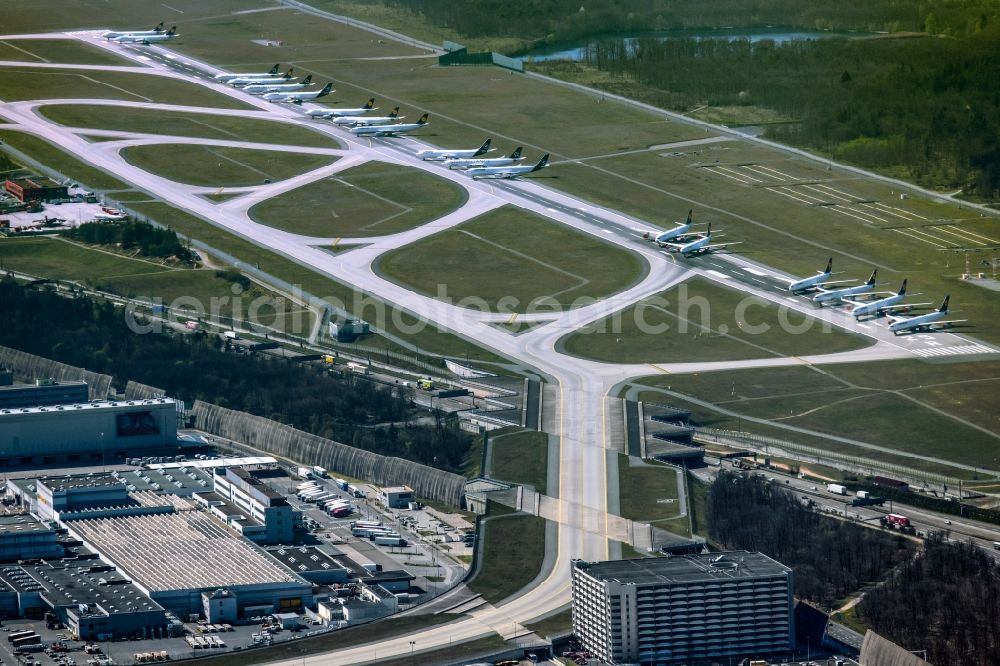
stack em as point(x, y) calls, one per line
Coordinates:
point(28, 83)
point(58, 50)
point(373, 199)
point(522, 458)
point(513, 550)
point(640, 488)
point(60, 161)
point(61, 260)
point(179, 123)
point(557, 624)
point(700, 321)
point(522, 262)
point(213, 166)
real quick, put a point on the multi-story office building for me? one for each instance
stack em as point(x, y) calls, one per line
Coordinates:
point(251, 507)
point(684, 609)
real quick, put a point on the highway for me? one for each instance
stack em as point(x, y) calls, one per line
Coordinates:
point(581, 413)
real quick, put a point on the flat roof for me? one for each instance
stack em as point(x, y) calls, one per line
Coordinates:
point(91, 584)
point(303, 559)
point(251, 480)
point(96, 405)
point(397, 489)
point(17, 523)
point(739, 564)
point(242, 461)
point(180, 551)
point(44, 385)
point(77, 481)
point(180, 480)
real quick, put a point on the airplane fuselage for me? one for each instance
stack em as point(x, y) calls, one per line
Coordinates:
point(872, 308)
point(916, 323)
point(361, 121)
point(481, 164)
point(258, 80)
point(261, 88)
point(809, 282)
point(338, 113)
point(837, 294)
point(385, 130)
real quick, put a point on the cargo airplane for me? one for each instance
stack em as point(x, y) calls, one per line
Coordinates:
point(279, 85)
point(360, 121)
point(882, 306)
point(299, 96)
point(147, 39)
point(837, 295)
point(508, 171)
point(438, 155)
point(226, 77)
point(485, 162)
point(389, 130)
point(925, 322)
point(700, 245)
point(336, 113)
point(156, 30)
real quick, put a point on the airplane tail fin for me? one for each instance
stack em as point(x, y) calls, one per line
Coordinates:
point(516, 155)
point(422, 120)
point(902, 290)
point(690, 210)
point(871, 280)
point(395, 113)
point(158, 27)
point(172, 31)
point(371, 103)
point(485, 148)
point(288, 74)
point(944, 305)
point(542, 163)
point(274, 70)
point(708, 232)
point(829, 266)
point(306, 81)
point(326, 90)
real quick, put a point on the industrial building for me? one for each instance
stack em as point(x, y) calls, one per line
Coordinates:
point(23, 538)
point(55, 494)
point(36, 188)
point(82, 432)
point(683, 609)
point(312, 564)
point(396, 497)
point(174, 557)
point(43, 392)
point(249, 506)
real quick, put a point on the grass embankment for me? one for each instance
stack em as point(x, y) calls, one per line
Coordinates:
point(647, 491)
point(522, 458)
point(60, 161)
point(513, 550)
point(71, 51)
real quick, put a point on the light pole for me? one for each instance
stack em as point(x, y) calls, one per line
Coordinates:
point(412, 643)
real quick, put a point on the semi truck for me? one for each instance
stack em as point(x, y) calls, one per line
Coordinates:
point(305, 473)
point(341, 483)
point(836, 489)
point(320, 472)
point(897, 520)
point(390, 541)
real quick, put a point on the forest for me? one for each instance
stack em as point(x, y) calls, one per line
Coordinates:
point(94, 335)
point(945, 601)
point(831, 559)
point(141, 237)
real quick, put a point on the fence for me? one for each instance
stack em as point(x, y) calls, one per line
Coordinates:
point(37, 367)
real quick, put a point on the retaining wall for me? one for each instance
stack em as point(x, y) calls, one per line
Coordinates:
point(34, 367)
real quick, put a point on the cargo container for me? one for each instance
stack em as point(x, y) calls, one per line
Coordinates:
point(863, 494)
point(304, 473)
point(897, 520)
point(367, 523)
point(342, 484)
point(387, 540)
point(836, 489)
point(11, 637)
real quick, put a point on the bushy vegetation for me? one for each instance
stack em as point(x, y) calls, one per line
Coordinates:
point(946, 601)
point(141, 237)
point(830, 558)
point(349, 409)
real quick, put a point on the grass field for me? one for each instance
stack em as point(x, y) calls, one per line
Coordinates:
point(214, 166)
point(61, 260)
point(700, 321)
point(373, 199)
point(522, 261)
point(513, 550)
point(557, 624)
point(642, 486)
point(60, 161)
point(200, 125)
point(522, 458)
point(25, 83)
point(58, 50)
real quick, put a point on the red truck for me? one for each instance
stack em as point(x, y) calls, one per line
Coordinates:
point(897, 520)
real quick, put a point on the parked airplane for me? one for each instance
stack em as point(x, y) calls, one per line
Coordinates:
point(882, 306)
point(278, 86)
point(360, 121)
point(480, 163)
point(252, 79)
point(925, 322)
point(226, 77)
point(390, 130)
point(147, 39)
point(437, 155)
point(299, 96)
point(836, 295)
point(508, 171)
point(814, 281)
point(663, 237)
point(700, 245)
point(111, 34)
point(104, 216)
point(334, 113)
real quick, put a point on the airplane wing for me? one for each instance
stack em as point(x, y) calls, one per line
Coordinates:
point(946, 322)
point(715, 246)
point(902, 306)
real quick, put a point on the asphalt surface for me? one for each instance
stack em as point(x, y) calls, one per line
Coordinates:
point(580, 411)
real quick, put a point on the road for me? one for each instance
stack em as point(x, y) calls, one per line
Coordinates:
point(580, 414)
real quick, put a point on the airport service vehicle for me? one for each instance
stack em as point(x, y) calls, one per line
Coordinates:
point(836, 489)
point(390, 541)
point(484, 162)
point(227, 77)
point(268, 78)
point(360, 120)
point(299, 96)
point(278, 86)
point(320, 472)
point(335, 113)
point(701, 245)
point(837, 295)
point(111, 34)
point(508, 171)
point(926, 322)
point(897, 520)
point(389, 130)
point(679, 231)
point(440, 155)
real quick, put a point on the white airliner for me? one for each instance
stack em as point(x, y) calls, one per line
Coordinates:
point(147, 39)
point(837, 295)
point(110, 217)
point(882, 306)
point(484, 162)
point(438, 155)
point(278, 86)
point(700, 245)
point(361, 121)
point(111, 34)
point(335, 113)
point(389, 130)
point(508, 171)
point(814, 281)
point(227, 77)
point(299, 96)
point(926, 322)
point(252, 79)
point(679, 231)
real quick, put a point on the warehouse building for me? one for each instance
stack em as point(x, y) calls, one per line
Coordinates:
point(43, 392)
point(82, 432)
point(36, 188)
point(175, 557)
point(396, 497)
point(684, 609)
point(55, 494)
point(22, 538)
